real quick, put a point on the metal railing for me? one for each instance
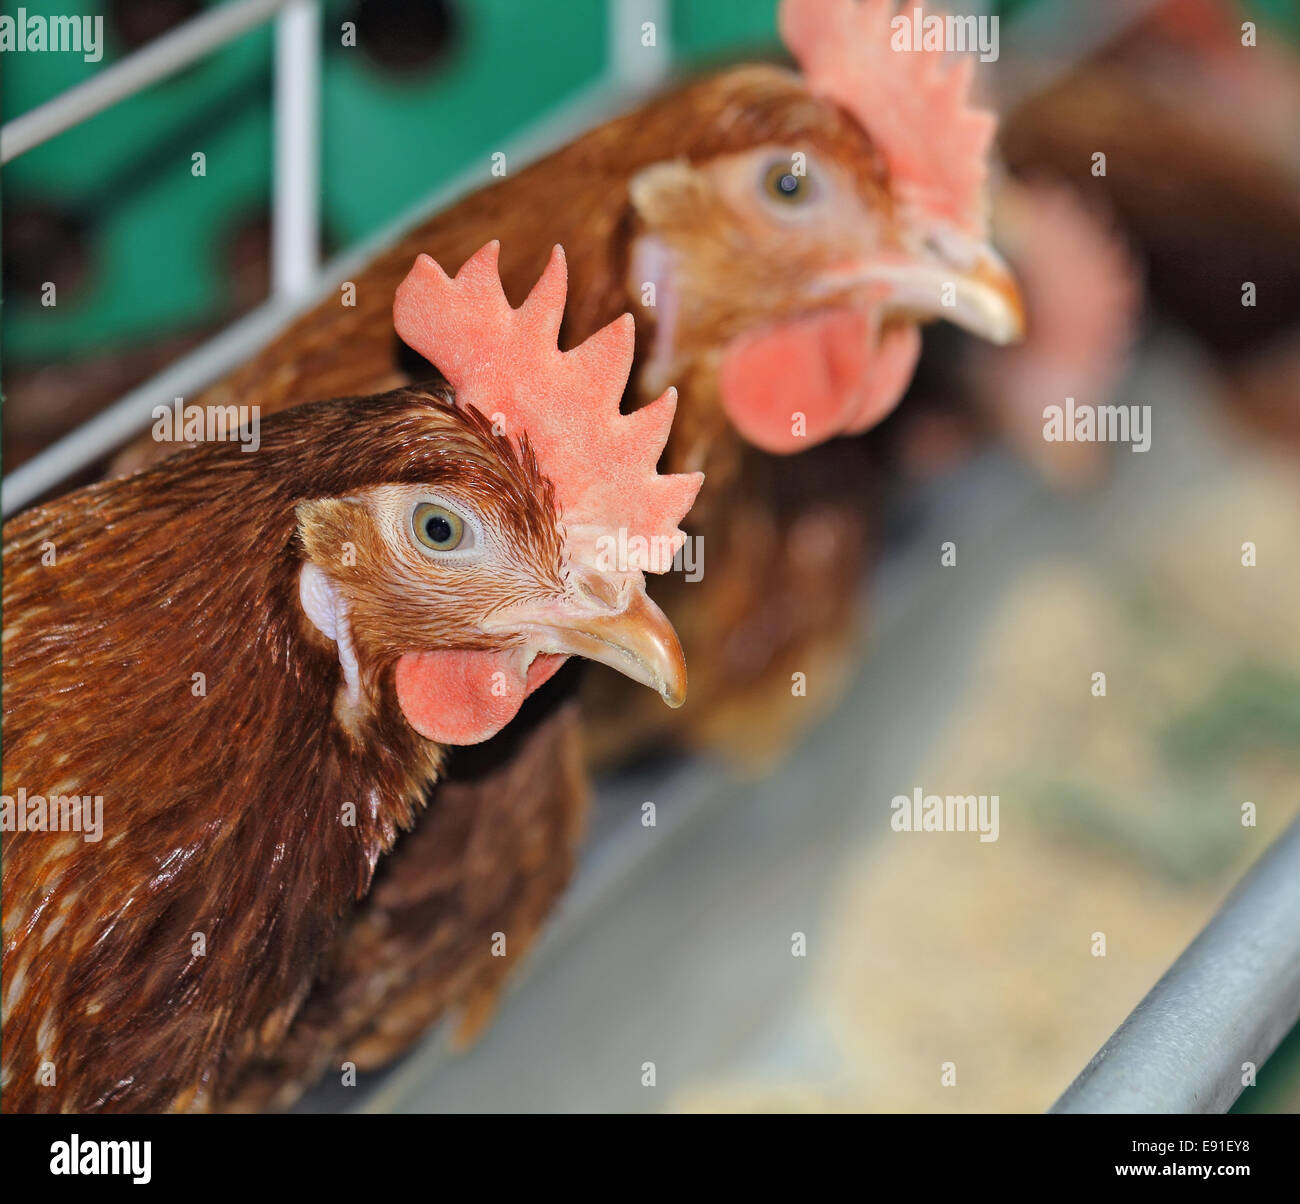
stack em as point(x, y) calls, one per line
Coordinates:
point(1220, 1010)
point(295, 213)
point(297, 278)
point(163, 57)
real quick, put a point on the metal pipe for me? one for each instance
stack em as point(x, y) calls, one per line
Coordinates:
point(159, 59)
point(1227, 1001)
point(295, 211)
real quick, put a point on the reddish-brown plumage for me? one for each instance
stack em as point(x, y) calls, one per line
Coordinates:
point(453, 912)
point(223, 813)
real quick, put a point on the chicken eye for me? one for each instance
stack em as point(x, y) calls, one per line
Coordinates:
point(781, 183)
point(437, 527)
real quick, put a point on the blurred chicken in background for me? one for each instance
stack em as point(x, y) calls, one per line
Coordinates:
point(1083, 297)
point(1208, 193)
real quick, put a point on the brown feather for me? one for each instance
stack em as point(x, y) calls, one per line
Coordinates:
point(492, 855)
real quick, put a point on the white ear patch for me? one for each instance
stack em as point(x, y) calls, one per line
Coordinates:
point(324, 606)
point(652, 278)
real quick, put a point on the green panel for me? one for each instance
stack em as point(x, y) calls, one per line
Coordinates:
point(156, 263)
point(721, 27)
point(416, 135)
point(154, 230)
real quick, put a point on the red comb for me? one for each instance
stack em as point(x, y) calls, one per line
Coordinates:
point(507, 364)
point(915, 107)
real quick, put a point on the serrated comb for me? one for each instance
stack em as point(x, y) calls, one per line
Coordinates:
point(507, 364)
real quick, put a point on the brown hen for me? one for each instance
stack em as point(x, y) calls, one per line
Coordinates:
point(255, 662)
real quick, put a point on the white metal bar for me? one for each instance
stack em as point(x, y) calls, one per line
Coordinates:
point(161, 58)
point(295, 213)
point(110, 428)
point(1228, 1000)
point(639, 67)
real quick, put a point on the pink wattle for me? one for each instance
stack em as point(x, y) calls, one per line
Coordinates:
point(829, 367)
point(456, 697)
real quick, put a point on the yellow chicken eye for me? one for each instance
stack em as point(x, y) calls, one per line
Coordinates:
point(781, 183)
point(437, 527)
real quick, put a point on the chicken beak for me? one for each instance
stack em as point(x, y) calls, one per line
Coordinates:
point(957, 279)
point(610, 620)
point(984, 299)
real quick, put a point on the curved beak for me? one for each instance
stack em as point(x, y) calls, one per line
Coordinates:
point(960, 280)
point(998, 291)
point(984, 298)
point(607, 619)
